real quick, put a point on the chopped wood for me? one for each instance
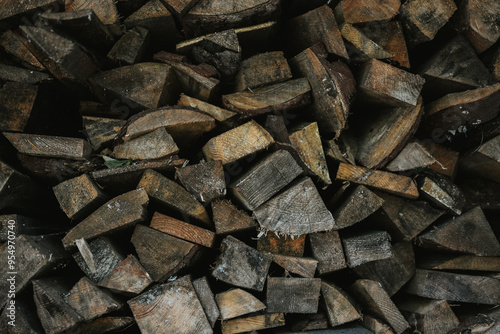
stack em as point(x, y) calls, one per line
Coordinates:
point(305, 267)
point(229, 219)
point(482, 193)
point(156, 144)
point(220, 114)
point(491, 58)
point(460, 262)
point(205, 180)
point(20, 224)
point(130, 48)
point(412, 156)
point(21, 75)
point(356, 11)
point(392, 183)
point(446, 160)
point(327, 248)
point(15, 45)
point(361, 47)
point(429, 316)
point(13, 8)
point(171, 307)
point(475, 17)
point(104, 9)
point(236, 302)
point(128, 277)
point(284, 245)
point(293, 295)
point(25, 313)
point(256, 36)
point(367, 247)
point(101, 131)
point(441, 192)
point(18, 105)
point(241, 265)
point(309, 322)
point(207, 300)
point(478, 324)
point(275, 125)
point(340, 307)
point(106, 324)
point(484, 160)
point(375, 325)
point(253, 323)
point(261, 70)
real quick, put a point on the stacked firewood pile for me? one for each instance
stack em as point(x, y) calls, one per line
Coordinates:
point(233, 166)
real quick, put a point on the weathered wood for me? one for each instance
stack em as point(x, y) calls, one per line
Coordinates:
point(101, 131)
point(469, 233)
point(130, 48)
point(261, 70)
point(173, 196)
point(327, 248)
point(207, 300)
point(156, 144)
point(24, 313)
point(256, 36)
point(340, 307)
point(106, 324)
point(179, 7)
point(182, 230)
point(392, 273)
point(154, 311)
point(220, 114)
point(479, 323)
point(484, 161)
point(454, 287)
point(446, 160)
point(375, 325)
point(50, 146)
point(481, 192)
point(429, 316)
point(161, 254)
point(439, 190)
point(15, 45)
point(358, 205)
point(460, 262)
point(317, 25)
point(121, 212)
point(205, 180)
point(229, 219)
point(19, 224)
point(79, 196)
point(22, 75)
point(361, 47)
point(305, 267)
point(377, 302)
point(104, 9)
point(356, 11)
point(296, 211)
point(392, 183)
point(422, 19)
point(412, 156)
point(309, 322)
point(293, 295)
point(12, 8)
point(367, 247)
point(291, 246)
point(236, 302)
point(253, 323)
point(476, 19)
point(241, 265)
point(17, 106)
point(237, 143)
point(128, 277)
point(275, 125)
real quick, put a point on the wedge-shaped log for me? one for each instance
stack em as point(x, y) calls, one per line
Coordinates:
point(293, 295)
point(229, 219)
point(327, 248)
point(15, 46)
point(128, 277)
point(367, 247)
point(253, 323)
point(375, 325)
point(220, 114)
point(361, 47)
point(480, 323)
point(205, 180)
point(207, 300)
point(25, 313)
point(156, 144)
point(12, 8)
point(121, 212)
point(25, 76)
point(18, 106)
point(130, 48)
point(104, 9)
point(479, 29)
point(101, 131)
point(236, 302)
point(20, 224)
point(358, 11)
point(305, 267)
point(358, 205)
point(412, 156)
point(446, 160)
point(460, 262)
point(107, 324)
point(440, 191)
point(428, 315)
point(484, 161)
point(284, 245)
point(340, 307)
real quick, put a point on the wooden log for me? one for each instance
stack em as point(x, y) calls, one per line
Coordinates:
point(493, 314)
point(23, 312)
point(482, 193)
point(429, 316)
point(237, 143)
point(375, 325)
point(359, 204)
point(22, 75)
point(272, 243)
point(355, 11)
point(18, 106)
point(15, 46)
point(491, 59)
point(478, 323)
point(261, 70)
point(446, 160)
point(340, 307)
point(101, 131)
point(50, 146)
point(156, 144)
point(392, 273)
point(484, 161)
point(12, 8)
point(161, 254)
point(344, 329)
point(78, 197)
point(305, 267)
point(315, 26)
point(107, 324)
point(253, 323)
point(440, 191)
point(173, 196)
point(179, 7)
point(422, 19)
point(361, 47)
point(207, 300)
point(105, 9)
point(309, 322)
point(375, 300)
point(153, 309)
point(205, 180)
point(293, 295)
point(327, 248)
point(412, 156)
point(236, 258)
point(229, 219)
point(19, 224)
point(130, 48)
point(296, 211)
point(460, 262)
point(392, 183)
point(475, 20)
point(220, 114)
point(342, 149)
point(454, 287)
point(128, 278)
point(256, 36)
point(236, 302)
point(367, 247)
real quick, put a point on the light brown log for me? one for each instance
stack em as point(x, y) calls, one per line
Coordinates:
point(412, 156)
point(361, 47)
point(484, 161)
point(18, 106)
point(305, 267)
point(207, 300)
point(429, 316)
point(440, 191)
point(101, 131)
point(106, 324)
point(156, 144)
point(475, 17)
point(128, 277)
point(219, 114)
point(130, 48)
point(229, 219)
point(327, 248)
point(104, 9)
point(253, 323)
point(205, 180)
point(291, 246)
point(293, 295)
point(261, 70)
point(340, 307)
point(236, 302)
point(367, 247)
point(357, 11)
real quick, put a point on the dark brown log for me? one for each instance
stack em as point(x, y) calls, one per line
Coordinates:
point(179, 7)
point(220, 114)
point(482, 193)
point(106, 325)
point(484, 161)
point(104, 9)
point(128, 277)
point(207, 300)
point(229, 219)
point(261, 70)
point(367, 247)
point(356, 11)
point(26, 319)
point(460, 262)
point(476, 20)
point(17, 105)
point(429, 316)
point(236, 257)
point(327, 248)
point(19, 224)
point(275, 125)
point(130, 48)
point(236, 302)
point(305, 267)
point(21, 75)
point(361, 47)
point(478, 323)
point(375, 325)
point(272, 243)
point(440, 191)
point(253, 323)
point(205, 180)
point(446, 160)
point(340, 307)
point(309, 322)
point(15, 46)
point(412, 156)
point(293, 295)
point(156, 144)
point(491, 58)
point(101, 131)
point(12, 8)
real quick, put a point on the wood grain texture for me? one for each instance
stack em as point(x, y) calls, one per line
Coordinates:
point(17, 106)
point(22, 75)
point(205, 180)
point(375, 325)
point(367, 247)
point(261, 70)
point(356, 11)
point(429, 316)
point(480, 29)
point(229, 219)
point(358, 205)
point(340, 307)
point(104, 9)
point(293, 295)
point(305, 267)
point(484, 160)
point(412, 156)
point(130, 48)
point(107, 324)
point(390, 36)
point(360, 46)
point(207, 300)
point(272, 243)
point(440, 191)
point(460, 262)
point(156, 144)
point(15, 46)
point(12, 8)
point(101, 131)
point(482, 193)
point(128, 278)
point(236, 302)
point(253, 323)
point(219, 114)
point(446, 160)
point(20, 224)
point(327, 248)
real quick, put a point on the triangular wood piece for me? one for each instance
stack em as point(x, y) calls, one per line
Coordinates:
point(440, 191)
point(365, 11)
point(207, 300)
point(156, 144)
point(229, 219)
point(367, 247)
point(220, 114)
point(479, 29)
point(205, 180)
point(460, 262)
point(340, 307)
point(305, 267)
point(327, 248)
point(429, 316)
point(412, 156)
point(101, 131)
point(15, 46)
point(104, 9)
point(375, 325)
point(130, 48)
point(293, 295)
point(236, 302)
point(360, 204)
point(18, 106)
point(360, 46)
point(128, 277)
point(485, 160)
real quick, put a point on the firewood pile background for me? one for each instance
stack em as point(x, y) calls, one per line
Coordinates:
point(251, 166)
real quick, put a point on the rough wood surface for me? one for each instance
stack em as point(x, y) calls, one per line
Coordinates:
point(20, 224)
point(477, 21)
point(22, 75)
point(340, 307)
point(101, 131)
point(478, 323)
point(17, 106)
point(12, 8)
point(272, 243)
point(128, 277)
point(207, 300)
point(229, 219)
point(460, 262)
point(15, 45)
point(375, 325)
point(305, 267)
point(440, 191)
point(106, 324)
point(356, 11)
point(261, 70)
point(104, 9)
point(484, 160)
point(412, 156)
point(130, 48)
point(446, 160)
point(429, 316)
point(253, 323)
point(390, 36)
point(205, 180)
point(482, 193)
point(360, 46)
point(309, 322)
point(327, 248)
point(156, 144)
point(293, 295)
point(372, 246)
point(179, 7)
point(236, 302)
point(220, 114)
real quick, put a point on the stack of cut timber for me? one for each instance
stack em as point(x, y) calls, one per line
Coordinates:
point(249, 166)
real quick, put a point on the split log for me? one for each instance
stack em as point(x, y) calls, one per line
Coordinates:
point(101, 131)
point(290, 246)
point(261, 70)
point(327, 248)
point(156, 144)
point(106, 324)
point(340, 307)
point(153, 309)
point(15, 45)
point(446, 160)
point(412, 156)
point(482, 193)
point(205, 180)
point(475, 17)
point(18, 109)
point(293, 295)
point(356, 11)
point(21, 75)
point(220, 114)
point(375, 325)
point(236, 258)
point(236, 302)
point(207, 300)
point(484, 161)
point(256, 36)
point(179, 7)
point(440, 191)
point(309, 321)
point(469, 233)
point(104, 9)
point(19, 224)
point(361, 47)
point(130, 48)
point(392, 183)
point(478, 323)
point(12, 8)
point(229, 219)
point(128, 277)
point(173, 196)
point(253, 323)
point(305, 267)
point(377, 302)
point(26, 319)
point(429, 316)
point(367, 247)
point(460, 262)
point(275, 125)
point(491, 58)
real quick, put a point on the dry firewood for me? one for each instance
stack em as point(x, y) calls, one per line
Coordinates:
point(136, 87)
point(78, 197)
point(481, 192)
point(469, 233)
point(340, 307)
point(22, 75)
point(90, 301)
point(422, 19)
point(216, 15)
point(179, 7)
point(18, 105)
point(15, 45)
point(293, 295)
point(13, 8)
point(476, 20)
point(220, 114)
point(205, 180)
point(236, 302)
point(279, 97)
point(356, 11)
point(182, 230)
point(454, 287)
point(261, 182)
point(476, 324)
point(275, 125)
point(173, 196)
point(241, 265)
point(375, 325)
point(272, 243)
point(101, 131)
point(161, 254)
point(412, 156)
point(460, 262)
point(130, 48)
point(19, 224)
point(484, 161)
point(392, 183)
point(375, 300)
point(154, 313)
point(253, 323)
point(327, 248)
point(305, 267)
point(261, 70)
point(309, 322)
point(392, 273)
point(491, 59)
point(121, 212)
point(446, 160)
point(317, 25)
point(104, 9)
point(296, 211)
point(25, 314)
point(361, 47)
point(207, 300)
point(237, 143)
point(256, 36)
point(367, 247)
point(229, 219)
point(106, 324)
point(127, 277)
point(429, 316)
point(440, 191)
point(156, 144)
point(359, 204)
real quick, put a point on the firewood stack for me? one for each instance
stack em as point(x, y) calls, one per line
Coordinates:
point(244, 166)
